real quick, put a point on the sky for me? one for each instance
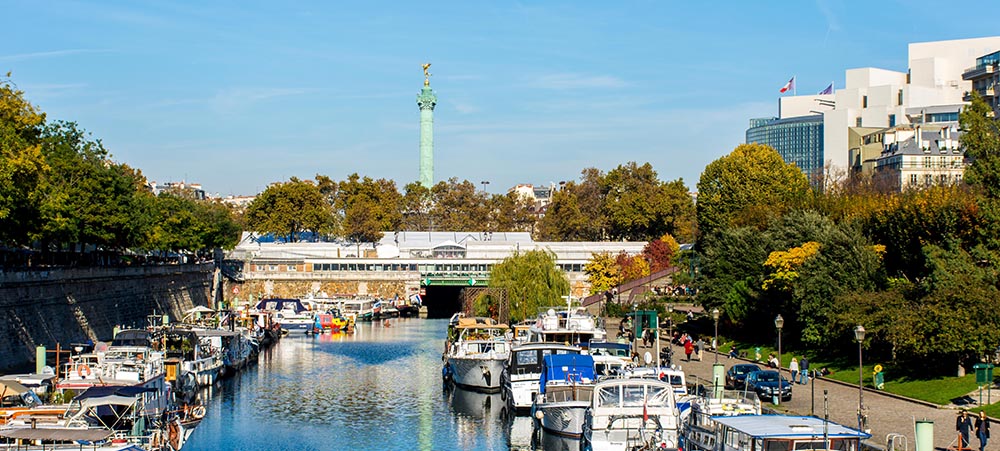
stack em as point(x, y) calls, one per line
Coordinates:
point(237, 95)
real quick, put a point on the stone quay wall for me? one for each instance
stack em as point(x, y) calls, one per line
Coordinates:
point(64, 306)
point(299, 284)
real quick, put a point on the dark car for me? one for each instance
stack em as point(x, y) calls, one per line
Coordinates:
point(768, 383)
point(738, 373)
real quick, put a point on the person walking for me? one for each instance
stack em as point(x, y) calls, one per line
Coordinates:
point(793, 367)
point(804, 371)
point(688, 349)
point(963, 424)
point(698, 347)
point(982, 430)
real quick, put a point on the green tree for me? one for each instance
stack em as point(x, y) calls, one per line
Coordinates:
point(22, 166)
point(602, 272)
point(289, 208)
point(509, 212)
point(458, 206)
point(750, 186)
point(981, 142)
point(564, 219)
point(530, 280)
point(369, 207)
point(638, 206)
point(416, 207)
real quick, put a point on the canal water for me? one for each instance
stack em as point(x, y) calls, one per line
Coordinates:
point(376, 389)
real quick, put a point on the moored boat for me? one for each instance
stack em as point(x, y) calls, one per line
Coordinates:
point(630, 413)
point(524, 369)
point(567, 386)
point(572, 325)
point(291, 314)
point(768, 432)
point(699, 429)
point(476, 359)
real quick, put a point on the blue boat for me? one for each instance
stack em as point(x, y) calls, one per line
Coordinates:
point(565, 390)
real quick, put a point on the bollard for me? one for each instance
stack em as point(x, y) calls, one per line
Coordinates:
point(925, 435)
point(39, 359)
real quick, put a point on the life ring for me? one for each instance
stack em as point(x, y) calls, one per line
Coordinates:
point(878, 368)
point(83, 370)
point(198, 412)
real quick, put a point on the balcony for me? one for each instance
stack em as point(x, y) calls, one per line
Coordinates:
point(984, 93)
point(978, 71)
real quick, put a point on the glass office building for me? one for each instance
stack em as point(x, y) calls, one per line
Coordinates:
point(799, 140)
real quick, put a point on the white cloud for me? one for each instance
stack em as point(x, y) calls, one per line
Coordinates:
point(576, 81)
point(50, 54)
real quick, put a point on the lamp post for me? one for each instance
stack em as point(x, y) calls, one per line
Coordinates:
point(670, 326)
point(484, 183)
point(779, 322)
point(859, 335)
point(715, 341)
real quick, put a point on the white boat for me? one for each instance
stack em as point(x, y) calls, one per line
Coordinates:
point(699, 429)
point(476, 359)
point(359, 309)
point(574, 326)
point(611, 360)
point(567, 385)
point(291, 314)
point(630, 413)
point(767, 432)
point(525, 367)
point(190, 359)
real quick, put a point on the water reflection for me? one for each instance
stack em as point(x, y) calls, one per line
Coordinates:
point(379, 388)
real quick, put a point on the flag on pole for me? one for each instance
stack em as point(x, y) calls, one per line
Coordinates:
point(828, 90)
point(788, 86)
point(645, 415)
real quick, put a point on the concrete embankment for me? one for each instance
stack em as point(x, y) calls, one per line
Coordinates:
point(75, 305)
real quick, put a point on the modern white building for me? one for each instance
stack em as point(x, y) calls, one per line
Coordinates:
point(931, 91)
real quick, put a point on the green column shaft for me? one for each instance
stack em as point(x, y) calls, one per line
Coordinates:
point(426, 101)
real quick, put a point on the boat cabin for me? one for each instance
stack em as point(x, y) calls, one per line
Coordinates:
point(567, 377)
point(527, 359)
point(784, 433)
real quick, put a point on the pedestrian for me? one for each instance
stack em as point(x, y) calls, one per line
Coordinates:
point(756, 354)
point(963, 424)
point(688, 349)
point(793, 367)
point(804, 370)
point(699, 346)
point(982, 430)
point(733, 353)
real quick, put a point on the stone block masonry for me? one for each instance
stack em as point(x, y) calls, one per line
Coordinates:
point(75, 305)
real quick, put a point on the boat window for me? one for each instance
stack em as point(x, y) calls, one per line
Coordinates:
point(778, 445)
point(527, 358)
point(609, 396)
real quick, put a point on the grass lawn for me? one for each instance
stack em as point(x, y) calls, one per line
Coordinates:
point(939, 391)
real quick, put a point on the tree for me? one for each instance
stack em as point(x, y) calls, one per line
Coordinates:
point(288, 209)
point(458, 206)
point(369, 207)
point(981, 142)
point(602, 272)
point(530, 280)
point(632, 266)
point(416, 206)
point(638, 206)
point(660, 253)
point(564, 219)
point(749, 186)
point(22, 166)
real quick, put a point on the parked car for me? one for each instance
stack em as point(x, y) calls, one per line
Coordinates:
point(767, 383)
point(738, 373)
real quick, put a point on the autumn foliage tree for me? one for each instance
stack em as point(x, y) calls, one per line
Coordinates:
point(660, 253)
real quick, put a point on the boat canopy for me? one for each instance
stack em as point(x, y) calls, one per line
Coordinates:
point(281, 304)
point(609, 348)
point(787, 426)
point(71, 434)
point(571, 368)
point(131, 337)
point(111, 395)
point(479, 323)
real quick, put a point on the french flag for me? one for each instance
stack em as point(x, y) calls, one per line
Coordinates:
point(788, 86)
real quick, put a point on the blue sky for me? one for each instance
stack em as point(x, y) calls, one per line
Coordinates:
point(236, 95)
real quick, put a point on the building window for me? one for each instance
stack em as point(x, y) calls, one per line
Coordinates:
point(899, 99)
point(892, 120)
point(292, 268)
point(857, 122)
point(927, 162)
point(272, 267)
point(913, 179)
point(928, 179)
point(864, 102)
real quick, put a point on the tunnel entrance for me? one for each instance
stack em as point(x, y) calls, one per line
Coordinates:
point(442, 301)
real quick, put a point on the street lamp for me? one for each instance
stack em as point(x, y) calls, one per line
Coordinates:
point(484, 183)
point(715, 341)
point(779, 322)
point(670, 325)
point(859, 334)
